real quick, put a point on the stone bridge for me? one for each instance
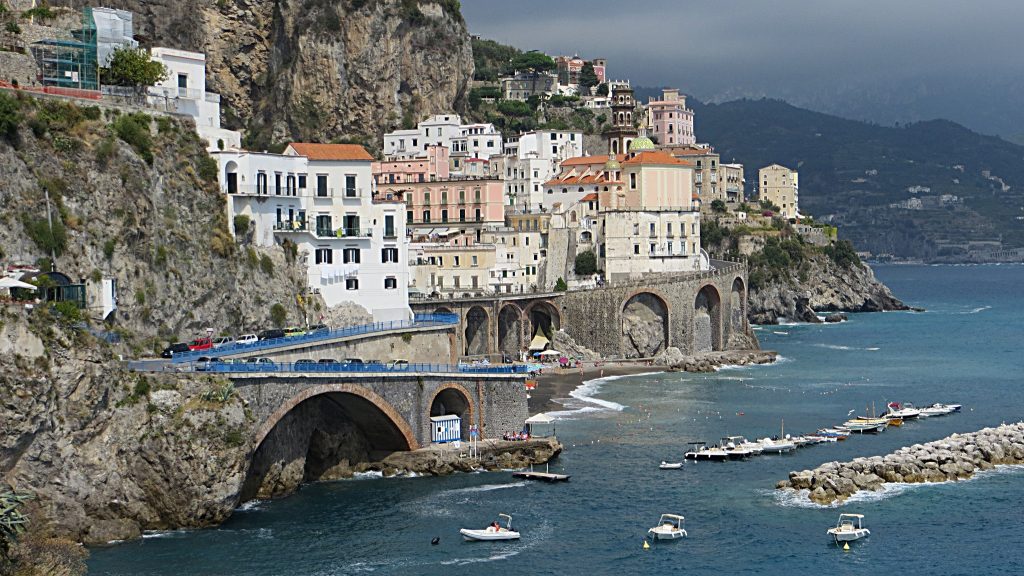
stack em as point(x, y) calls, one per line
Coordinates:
point(307, 424)
point(695, 312)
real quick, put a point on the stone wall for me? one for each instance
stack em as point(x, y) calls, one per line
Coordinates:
point(427, 346)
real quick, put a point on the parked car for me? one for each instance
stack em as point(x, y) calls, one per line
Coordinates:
point(176, 348)
point(222, 341)
point(327, 361)
point(305, 363)
point(247, 339)
point(318, 328)
point(294, 331)
point(399, 364)
point(263, 361)
point(269, 334)
point(353, 361)
point(203, 363)
point(201, 344)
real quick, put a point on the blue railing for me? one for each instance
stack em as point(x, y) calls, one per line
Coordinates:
point(419, 321)
point(346, 367)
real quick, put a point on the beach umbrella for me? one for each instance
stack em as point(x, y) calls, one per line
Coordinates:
point(8, 282)
point(550, 353)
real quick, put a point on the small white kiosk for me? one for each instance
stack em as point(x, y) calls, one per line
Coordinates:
point(446, 428)
point(541, 421)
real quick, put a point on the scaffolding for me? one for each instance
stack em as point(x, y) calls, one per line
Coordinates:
point(70, 63)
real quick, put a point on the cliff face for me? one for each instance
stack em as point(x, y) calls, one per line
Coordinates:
point(821, 285)
point(317, 69)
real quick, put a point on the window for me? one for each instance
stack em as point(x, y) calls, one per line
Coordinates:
point(457, 258)
point(636, 229)
point(475, 281)
point(352, 284)
point(457, 283)
point(462, 215)
point(302, 181)
point(408, 216)
point(350, 186)
point(426, 216)
point(474, 261)
point(653, 231)
point(321, 185)
point(390, 283)
point(554, 149)
point(479, 216)
point(668, 230)
point(444, 215)
point(636, 249)
point(389, 225)
point(414, 144)
point(324, 256)
point(652, 249)
point(389, 255)
point(632, 181)
point(351, 256)
point(527, 240)
point(289, 185)
point(182, 81)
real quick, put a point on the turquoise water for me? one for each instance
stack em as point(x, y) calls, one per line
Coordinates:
point(964, 349)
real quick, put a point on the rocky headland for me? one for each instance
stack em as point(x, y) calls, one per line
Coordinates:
point(674, 360)
point(954, 458)
point(821, 285)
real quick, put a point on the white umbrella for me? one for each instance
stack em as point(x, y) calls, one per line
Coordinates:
point(8, 282)
point(551, 353)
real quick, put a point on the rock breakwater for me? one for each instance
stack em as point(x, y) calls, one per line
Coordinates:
point(953, 458)
point(674, 359)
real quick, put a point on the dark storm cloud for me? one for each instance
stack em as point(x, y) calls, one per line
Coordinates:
point(807, 51)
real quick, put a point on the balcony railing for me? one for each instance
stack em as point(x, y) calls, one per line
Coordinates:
point(291, 226)
point(344, 232)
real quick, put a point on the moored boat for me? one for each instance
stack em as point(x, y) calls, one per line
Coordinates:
point(906, 411)
point(849, 528)
point(670, 465)
point(866, 426)
point(493, 532)
point(701, 451)
point(670, 527)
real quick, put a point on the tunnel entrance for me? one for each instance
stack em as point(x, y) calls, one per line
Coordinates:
point(477, 331)
point(323, 437)
point(510, 324)
point(644, 326)
point(544, 320)
point(707, 320)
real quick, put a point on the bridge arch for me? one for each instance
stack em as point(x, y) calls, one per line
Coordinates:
point(542, 316)
point(737, 305)
point(477, 331)
point(644, 318)
point(707, 319)
point(442, 310)
point(452, 398)
point(510, 330)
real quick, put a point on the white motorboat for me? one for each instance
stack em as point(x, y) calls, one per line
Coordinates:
point(743, 443)
point(866, 425)
point(670, 527)
point(849, 528)
point(670, 465)
point(906, 411)
point(939, 409)
point(493, 532)
point(838, 433)
point(701, 451)
point(770, 446)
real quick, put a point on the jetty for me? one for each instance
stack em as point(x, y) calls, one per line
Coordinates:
point(953, 458)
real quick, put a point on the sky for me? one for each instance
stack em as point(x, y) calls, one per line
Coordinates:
point(881, 60)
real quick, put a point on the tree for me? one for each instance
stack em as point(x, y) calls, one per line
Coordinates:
point(602, 90)
point(132, 67)
point(561, 286)
point(10, 118)
point(586, 263)
point(718, 207)
point(278, 315)
point(588, 78)
point(533, 61)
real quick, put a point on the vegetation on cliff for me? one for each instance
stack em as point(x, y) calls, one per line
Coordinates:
point(853, 171)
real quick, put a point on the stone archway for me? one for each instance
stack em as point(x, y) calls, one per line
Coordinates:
point(737, 306)
point(707, 320)
point(442, 310)
point(645, 325)
point(477, 333)
point(543, 318)
point(510, 330)
point(454, 399)
point(321, 433)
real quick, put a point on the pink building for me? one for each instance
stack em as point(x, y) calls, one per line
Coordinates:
point(425, 169)
point(453, 203)
point(671, 122)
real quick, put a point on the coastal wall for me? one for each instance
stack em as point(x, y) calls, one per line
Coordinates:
point(954, 458)
point(422, 345)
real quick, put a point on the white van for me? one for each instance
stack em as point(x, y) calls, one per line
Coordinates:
point(247, 339)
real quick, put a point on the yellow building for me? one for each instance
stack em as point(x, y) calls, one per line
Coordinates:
point(459, 270)
point(780, 186)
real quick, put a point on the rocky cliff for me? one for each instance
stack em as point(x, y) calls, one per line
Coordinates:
point(820, 285)
point(317, 69)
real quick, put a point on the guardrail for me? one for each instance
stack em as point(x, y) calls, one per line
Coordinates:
point(419, 321)
point(342, 367)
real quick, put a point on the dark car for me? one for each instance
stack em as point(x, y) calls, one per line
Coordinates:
point(327, 361)
point(173, 349)
point(305, 364)
point(353, 360)
point(268, 334)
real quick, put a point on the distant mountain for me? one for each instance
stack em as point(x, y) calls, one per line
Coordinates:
point(955, 191)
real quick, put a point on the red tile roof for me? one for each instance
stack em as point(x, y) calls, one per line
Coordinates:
point(655, 157)
point(589, 197)
point(331, 151)
point(589, 160)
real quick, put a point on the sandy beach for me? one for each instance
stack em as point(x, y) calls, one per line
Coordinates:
point(557, 382)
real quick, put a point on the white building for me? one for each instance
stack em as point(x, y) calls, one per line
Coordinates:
point(320, 197)
point(184, 92)
point(533, 159)
point(462, 140)
point(114, 29)
point(780, 186)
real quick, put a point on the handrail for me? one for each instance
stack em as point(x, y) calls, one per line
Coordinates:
point(343, 367)
point(419, 321)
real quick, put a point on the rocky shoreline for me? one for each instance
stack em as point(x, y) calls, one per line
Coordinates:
point(953, 458)
point(442, 460)
point(675, 361)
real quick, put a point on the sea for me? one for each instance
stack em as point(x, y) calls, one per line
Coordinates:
point(965, 348)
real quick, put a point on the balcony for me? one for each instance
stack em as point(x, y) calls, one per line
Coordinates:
point(390, 234)
point(352, 193)
point(291, 226)
point(344, 232)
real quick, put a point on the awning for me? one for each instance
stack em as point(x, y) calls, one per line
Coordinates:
point(539, 342)
point(540, 419)
point(551, 353)
point(8, 282)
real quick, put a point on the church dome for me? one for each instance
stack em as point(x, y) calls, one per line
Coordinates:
point(612, 164)
point(641, 143)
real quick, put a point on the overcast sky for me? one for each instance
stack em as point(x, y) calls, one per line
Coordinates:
point(885, 60)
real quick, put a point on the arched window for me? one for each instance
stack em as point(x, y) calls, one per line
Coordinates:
point(572, 216)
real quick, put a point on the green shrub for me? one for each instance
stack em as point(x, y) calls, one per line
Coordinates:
point(267, 265)
point(160, 258)
point(92, 112)
point(10, 118)
point(49, 239)
point(163, 124)
point(13, 27)
point(586, 263)
point(42, 12)
point(278, 315)
point(133, 129)
point(108, 248)
point(560, 285)
point(241, 224)
point(141, 387)
point(68, 313)
point(208, 168)
point(105, 151)
point(140, 297)
point(843, 254)
point(252, 258)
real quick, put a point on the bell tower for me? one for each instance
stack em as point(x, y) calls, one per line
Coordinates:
point(621, 131)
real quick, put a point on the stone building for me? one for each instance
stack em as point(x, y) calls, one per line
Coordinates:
point(780, 186)
point(524, 85)
point(622, 126)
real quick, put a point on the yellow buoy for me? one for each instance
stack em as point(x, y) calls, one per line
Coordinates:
point(846, 545)
point(646, 545)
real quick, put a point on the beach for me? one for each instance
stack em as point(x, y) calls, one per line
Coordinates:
point(555, 383)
